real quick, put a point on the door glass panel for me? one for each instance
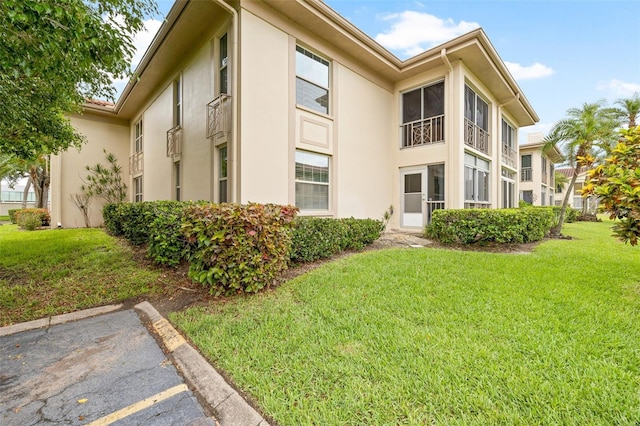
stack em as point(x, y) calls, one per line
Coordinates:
point(413, 193)
point(413, 183)
point(435, 185)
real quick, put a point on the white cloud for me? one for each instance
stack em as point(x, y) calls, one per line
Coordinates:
point(414, 32)
point(530, 72)
point(143, 39)
point(619, 88)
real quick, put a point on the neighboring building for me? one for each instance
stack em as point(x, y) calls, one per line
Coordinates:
point(287, 102)
point(586, 206)
point(537, 183)
point(12, 198)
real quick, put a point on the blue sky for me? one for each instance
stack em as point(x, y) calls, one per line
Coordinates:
point(562, 53)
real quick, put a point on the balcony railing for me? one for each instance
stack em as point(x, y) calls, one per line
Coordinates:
point(423, 132)
point(476, 137)
point(509, 155)
point(433, 206)
point(135, 163)
point(525, 174)
point(219, 116)
point(174, 142)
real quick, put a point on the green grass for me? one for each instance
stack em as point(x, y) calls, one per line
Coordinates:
point(49, 272)
point(4, 218)
point(430, 336)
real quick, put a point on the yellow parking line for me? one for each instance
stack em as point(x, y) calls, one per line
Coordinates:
point(139, 406)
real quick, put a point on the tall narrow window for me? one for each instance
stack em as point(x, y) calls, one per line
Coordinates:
point(312, 181)
point(525, 168)
point(423, 115)
point(177, 103)
point(476, 114)
point(223, 65)
point(137, 189)
point(138, 143)
point(508, 189)
point(176, 171)
point(312, 81)
point(222, 174)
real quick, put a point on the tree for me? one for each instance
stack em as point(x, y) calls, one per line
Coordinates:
point(55, 54)
point(106, 182)
point(630, 108)
point(584, 134)
point(617, 184)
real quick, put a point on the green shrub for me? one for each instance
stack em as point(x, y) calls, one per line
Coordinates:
point(237, 248)
point(29, 220)
point(113, 217)
point(12, 215)
point(470, 226)
point(42, 214)
point(319, 238)
point(167, 244)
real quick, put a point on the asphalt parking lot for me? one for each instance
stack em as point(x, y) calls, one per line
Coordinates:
point(103, 366)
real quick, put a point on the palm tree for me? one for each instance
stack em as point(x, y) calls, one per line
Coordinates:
point(630, 108)
point(581, 136)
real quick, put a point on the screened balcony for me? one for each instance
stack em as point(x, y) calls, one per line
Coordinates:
point(423, 132)
point(509, 156)
point(475, 136)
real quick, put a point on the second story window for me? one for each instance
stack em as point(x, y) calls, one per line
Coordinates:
point(312, 81)
point(138, 143)
point(177, 102)
point(509, 150)
point(476, 114)
point(525, 168)
point(423, 115)
point(223, 65)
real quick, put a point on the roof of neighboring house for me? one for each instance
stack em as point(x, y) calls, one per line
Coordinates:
point(188, 21)
point(552, 153)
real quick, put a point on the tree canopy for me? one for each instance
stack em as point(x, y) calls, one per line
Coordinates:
point(617, 184)
point(55, 54)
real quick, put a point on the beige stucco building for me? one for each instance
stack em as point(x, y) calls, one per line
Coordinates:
point(537, 171)
point(287, 102)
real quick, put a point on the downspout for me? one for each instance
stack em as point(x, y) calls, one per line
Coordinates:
point(235, 158)
point(443, 55)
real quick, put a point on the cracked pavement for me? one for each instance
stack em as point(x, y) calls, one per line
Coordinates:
point(106, 369)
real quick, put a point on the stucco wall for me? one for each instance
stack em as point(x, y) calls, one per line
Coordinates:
point(68, 168)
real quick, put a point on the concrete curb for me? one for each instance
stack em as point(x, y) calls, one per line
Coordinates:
point(230, 407)
point(58, 319)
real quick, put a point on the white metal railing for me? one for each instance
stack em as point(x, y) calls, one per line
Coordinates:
point(478, 205)
point(219, 115)
point(509, 155)
point(423, 132)
point(174, 142)
point(433, 206)
point(475, 136)
point(135, 163)
point(525, 174)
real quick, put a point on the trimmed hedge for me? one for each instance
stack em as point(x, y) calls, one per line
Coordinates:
point(471, 226)
point(237, 248)
point(318, 238)
point(45, 217)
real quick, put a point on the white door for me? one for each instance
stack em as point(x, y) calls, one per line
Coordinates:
point(413, 197)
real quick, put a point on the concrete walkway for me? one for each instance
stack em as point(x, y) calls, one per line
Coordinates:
point(102, 366)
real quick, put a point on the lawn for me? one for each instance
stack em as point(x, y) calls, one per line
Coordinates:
point(435, 336)
point(49, 272)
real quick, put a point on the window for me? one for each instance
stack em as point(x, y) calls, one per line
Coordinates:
point(525, 172)
point(476, 123)
point(176, 171)
point(138, 142)
point(137, 189)
point(508, 135)
point(177, 103)
point(476, 179)
point(312, 181)
point(476, 110)
point(508, 189)
point(312, 81)
point(527, 197)
point(543, 195)
point(222, 174)
point(224, 61)
point(544, 169)
point(423, 115)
